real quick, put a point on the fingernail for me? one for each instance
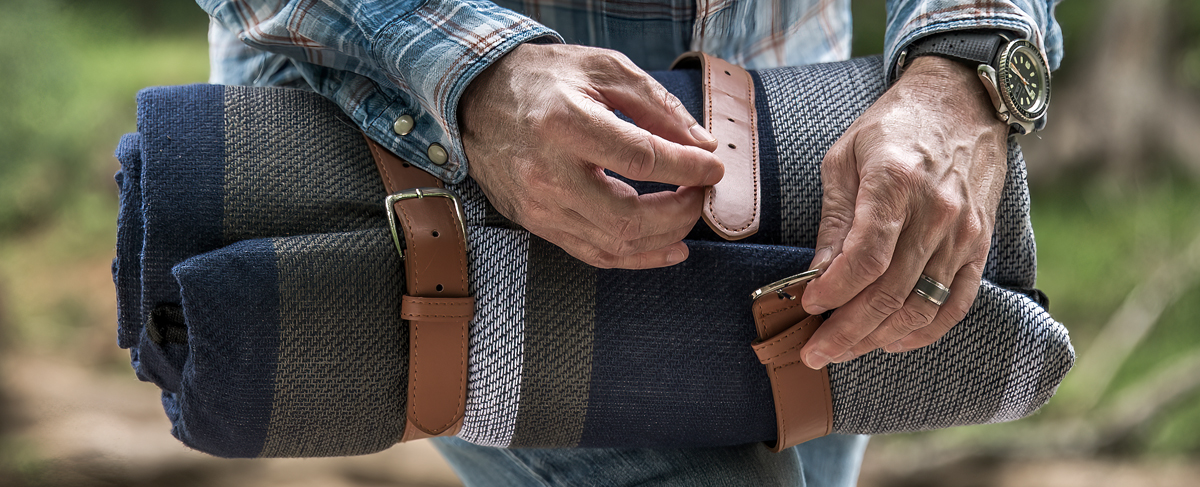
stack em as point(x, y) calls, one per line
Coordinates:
point(674, 257)
point(700, 134)
point(821, 260)
point(894, 348)
point(816, 360)
point(845, 357)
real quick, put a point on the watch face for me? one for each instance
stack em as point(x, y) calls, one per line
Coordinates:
point(1025, 80)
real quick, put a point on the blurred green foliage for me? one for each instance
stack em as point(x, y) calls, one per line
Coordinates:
point(1098, 237)
point(70, 72)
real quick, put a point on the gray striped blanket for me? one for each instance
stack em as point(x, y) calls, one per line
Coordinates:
point(258, 287)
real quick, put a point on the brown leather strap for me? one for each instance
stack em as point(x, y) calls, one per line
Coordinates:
point(803, 404)
point(732, 206)
point(437, 304)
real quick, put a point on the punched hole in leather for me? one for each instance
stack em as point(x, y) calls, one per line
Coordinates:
point(803, 402)
point(732, 207)
point(437, 305)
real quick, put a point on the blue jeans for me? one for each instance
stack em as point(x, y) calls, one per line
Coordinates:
point(831, 461)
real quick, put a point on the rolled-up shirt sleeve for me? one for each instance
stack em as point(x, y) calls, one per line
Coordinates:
point(909, 20)
point(388, 62)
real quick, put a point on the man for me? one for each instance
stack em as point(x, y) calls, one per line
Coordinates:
point(464, 87)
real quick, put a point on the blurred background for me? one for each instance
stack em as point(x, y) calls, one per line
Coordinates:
point(1116, 189)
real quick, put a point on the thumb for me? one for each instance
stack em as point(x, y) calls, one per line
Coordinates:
point(839, 182)
point(658, 111)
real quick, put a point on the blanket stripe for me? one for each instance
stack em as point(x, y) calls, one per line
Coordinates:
point(558, 348)
point(260, 217)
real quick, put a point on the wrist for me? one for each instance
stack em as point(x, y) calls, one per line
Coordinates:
point(948, 85)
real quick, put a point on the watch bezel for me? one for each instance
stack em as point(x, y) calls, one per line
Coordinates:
point(1005, 74)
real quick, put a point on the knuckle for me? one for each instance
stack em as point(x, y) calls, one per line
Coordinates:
point(843, 340)
point(891, 173)
point(610, 66)
point(974, 228)
point(834, 221)
point(670, 103)
point(548, 121)
point(944, 209)
point(868, 263)
point(884, 302)
point(638, 154)
point(616, 246)
point(912, 318)
point(627, 228)
point(601, 259)
point(871, 342)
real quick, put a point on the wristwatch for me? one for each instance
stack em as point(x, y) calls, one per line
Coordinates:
point(1013, 71)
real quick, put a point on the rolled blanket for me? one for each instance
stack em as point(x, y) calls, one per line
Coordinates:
point(259, 288)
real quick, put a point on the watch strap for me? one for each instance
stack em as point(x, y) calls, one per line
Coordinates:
point(974, 46)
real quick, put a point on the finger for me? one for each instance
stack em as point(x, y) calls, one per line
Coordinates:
point(623, 225)
point(655, 109)
point(604, 240)
point(594, 256)
point(963, 291)
point(626, 224)
point(606, 141)
point(841, 337)
point(917, 312)
point(839, 181)
point(880, 212)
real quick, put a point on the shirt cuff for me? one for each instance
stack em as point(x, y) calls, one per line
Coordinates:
point(437, 67)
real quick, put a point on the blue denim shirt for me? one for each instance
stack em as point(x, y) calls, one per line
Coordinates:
point(383, 59)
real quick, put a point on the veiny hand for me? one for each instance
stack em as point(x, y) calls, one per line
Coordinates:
point(539, 131)
point(912, 187)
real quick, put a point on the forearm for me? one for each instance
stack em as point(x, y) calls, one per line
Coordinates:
point(909, 20)
point(380, 61)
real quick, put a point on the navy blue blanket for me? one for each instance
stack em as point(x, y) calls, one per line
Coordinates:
point(258, 287)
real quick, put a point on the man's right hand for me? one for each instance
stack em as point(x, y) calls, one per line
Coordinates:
point(539, 131)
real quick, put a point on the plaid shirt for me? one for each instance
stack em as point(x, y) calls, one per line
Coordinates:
point(382, 59)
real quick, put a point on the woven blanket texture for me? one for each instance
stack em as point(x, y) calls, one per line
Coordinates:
point(258, 287)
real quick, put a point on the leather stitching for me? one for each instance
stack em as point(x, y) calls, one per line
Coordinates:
point(753, 144)
point(406, 222)
point(786, 308)
point(752, 120)
point(780, 338)
point(416, 417)
point(782, 434)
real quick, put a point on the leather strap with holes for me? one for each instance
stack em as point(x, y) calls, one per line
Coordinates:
point(732, 206)
point(803, 403)
point(437, 304)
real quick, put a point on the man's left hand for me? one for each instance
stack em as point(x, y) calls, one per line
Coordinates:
point(911, 188)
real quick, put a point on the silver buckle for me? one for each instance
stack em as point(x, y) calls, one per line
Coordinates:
point(390, 204)
point(779, 286)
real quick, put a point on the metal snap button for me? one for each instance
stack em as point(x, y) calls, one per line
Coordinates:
point(404, 125)
point(437, 154)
